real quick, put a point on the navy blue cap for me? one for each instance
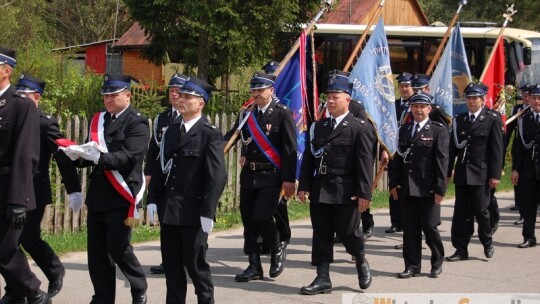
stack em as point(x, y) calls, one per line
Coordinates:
point(177, 80)
point(30, 84)
point(197, 87)
point(115, 83)
point(535, 90)
point(421, 97)
point(270, 67)
point(404, 77)
point(339, 74)
point(261, 80)
point(339, 84)
point(525, 88)
point(7, 56)
point(419, 81)
point(476, 89)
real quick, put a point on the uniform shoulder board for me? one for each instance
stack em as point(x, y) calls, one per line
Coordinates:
point(210, 126)
point(437, 123)
point(359, 120)
point(281, 106)
point(46, 115)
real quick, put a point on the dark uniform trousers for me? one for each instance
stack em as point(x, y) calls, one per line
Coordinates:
point(260, 188)
point(19, 132)
point(343, 167)
point(526, 161)
point(418, 172)
point(189, 191)
point(475, 163)
point(109, 238)
point(39, 250)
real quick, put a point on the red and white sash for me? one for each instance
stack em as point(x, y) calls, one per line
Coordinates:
point(114, 177)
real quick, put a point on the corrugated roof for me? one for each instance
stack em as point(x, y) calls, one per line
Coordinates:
point(134, 37)
point(82, 47)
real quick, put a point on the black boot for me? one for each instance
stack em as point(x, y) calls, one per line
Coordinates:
point(277, 262)
point(254, 270)
point(322, 283)
point(7, 299)
point(364, 274)
point(39, 297)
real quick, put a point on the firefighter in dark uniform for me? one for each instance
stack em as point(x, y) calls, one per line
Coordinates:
point(336, 174)
point(269, 169)
point(37, 248)
point(162, 121)
point(358, 110)
point(122, 134)
point(402, 107)
point(19, 132)
point(187, 188)
point(526, 166)
point(476, 155)
point(418, 180)
point(508, 135)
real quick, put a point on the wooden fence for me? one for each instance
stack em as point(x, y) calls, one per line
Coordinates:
point(59, 218)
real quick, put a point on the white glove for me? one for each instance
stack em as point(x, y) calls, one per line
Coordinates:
point(207, 224)
point(151, 209)
point(73, 155)
point(75, 201)
point(92, 155)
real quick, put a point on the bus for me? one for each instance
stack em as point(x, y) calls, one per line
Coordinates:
point(412, 49)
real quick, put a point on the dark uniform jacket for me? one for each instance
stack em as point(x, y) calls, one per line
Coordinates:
point(196, 179)
point(345, 166)
point(481, 156)
point(162, 121)
point(278, 125)
point(127, 141)
point(49, 133)
point(526, 148)
point(512, 125)
point(419, 167)
point(19, 153)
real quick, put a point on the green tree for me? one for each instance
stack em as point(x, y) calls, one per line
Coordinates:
point(217, 37)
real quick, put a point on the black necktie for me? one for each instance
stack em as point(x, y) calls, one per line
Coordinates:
point(334, 123)
point(182, 132)
point(416, 129)
point(472, 118)
point(259, 114)
point(113, 118)
point(175, 116)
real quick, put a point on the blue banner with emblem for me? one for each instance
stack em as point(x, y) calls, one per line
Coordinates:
point(290, 88)
point(373, 86)
point(451, 76)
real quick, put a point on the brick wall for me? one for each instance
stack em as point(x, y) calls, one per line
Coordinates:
point(140, 68)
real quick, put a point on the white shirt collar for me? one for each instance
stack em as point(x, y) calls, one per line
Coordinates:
point(264, 108)
point(339, 119)
point(191, 123)
point(120, 113)
point(422, 124)
point(476, 114)
point(4, 90)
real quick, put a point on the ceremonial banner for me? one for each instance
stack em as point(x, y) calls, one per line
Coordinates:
point(373, 86)
point(494, 78)
point(451, 76)
point(290, 88)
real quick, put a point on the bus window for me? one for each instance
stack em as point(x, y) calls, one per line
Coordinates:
point(531, 72)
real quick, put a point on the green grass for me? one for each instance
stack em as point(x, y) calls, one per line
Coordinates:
point(71, 242)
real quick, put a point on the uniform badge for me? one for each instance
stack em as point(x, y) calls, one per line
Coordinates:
point(2, 103)
point(482, 117)
point(345, 123)
point(268, 127)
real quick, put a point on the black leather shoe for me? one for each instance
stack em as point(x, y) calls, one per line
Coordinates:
point(157, 269)
point(398, 246)
point(456, 257)
point(527, 244)
point(39, 297)
point(519, 222)
point(277, 263)
point(393, 229)
point(407, 274)
point(368, 233)
point(514, 208)
point(322, 283)
point(253, 272)
point(56, 285)
point(488, 252)
point(435, 272)
point(140, 299)
point(7, 299)
point(364, 273)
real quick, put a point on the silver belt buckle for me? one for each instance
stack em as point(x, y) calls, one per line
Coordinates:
point(322, 169)
point(252, 166)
